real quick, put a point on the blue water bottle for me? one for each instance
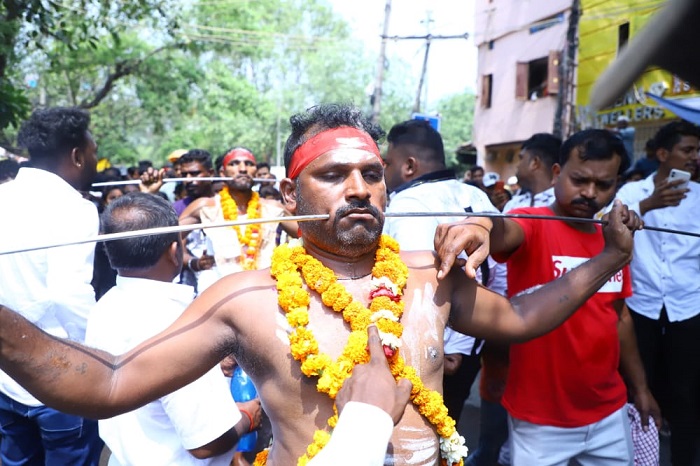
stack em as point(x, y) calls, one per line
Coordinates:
point(242, 389)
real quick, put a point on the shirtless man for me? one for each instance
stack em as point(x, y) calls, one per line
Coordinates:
point(247, 247)
point(334, 168)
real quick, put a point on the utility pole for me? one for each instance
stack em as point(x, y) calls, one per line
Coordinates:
point(377, 94)
point(564, 117)
point(428, 20)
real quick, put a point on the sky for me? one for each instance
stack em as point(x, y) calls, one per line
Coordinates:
point(451, 62)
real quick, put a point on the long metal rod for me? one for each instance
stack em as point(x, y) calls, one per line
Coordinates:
point(308, 218)
point(190, 179)
point(166, 230)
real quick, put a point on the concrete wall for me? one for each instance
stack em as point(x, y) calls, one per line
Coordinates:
point(504, 38)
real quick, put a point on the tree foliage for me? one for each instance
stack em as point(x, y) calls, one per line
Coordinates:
point(159, 75)
point(457, 115)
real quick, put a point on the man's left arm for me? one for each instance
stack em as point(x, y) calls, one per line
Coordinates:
point(632, 369)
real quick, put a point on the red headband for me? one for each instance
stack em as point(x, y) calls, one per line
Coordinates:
point(344, 137)
point(238, 152)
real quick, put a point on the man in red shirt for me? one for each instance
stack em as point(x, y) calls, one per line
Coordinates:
point(565, 394)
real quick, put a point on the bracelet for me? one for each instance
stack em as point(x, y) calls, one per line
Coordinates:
point(189, 263)
point(250, 418)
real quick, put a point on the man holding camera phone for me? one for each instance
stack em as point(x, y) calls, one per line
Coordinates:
point(665, 303)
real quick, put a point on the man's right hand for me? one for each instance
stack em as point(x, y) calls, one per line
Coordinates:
point(151, 180)
point(666, 194)
point(373, 384)
point(620, 228)
point(253, 408)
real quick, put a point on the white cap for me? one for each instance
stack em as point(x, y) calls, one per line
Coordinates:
point(490, 179)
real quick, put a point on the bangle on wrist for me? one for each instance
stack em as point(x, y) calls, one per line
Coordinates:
point(251, 427)
point(190, 263)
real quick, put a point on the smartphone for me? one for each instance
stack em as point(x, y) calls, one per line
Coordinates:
point(679, 175)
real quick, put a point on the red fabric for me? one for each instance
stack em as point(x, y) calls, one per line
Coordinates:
point(238, 153)
point(568, 377)
point(326, 141)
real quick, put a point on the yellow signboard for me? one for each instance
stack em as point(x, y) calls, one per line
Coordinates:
point(604, 28)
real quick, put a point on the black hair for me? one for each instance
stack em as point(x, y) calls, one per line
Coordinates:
point(8, 169)
point(419, 133)
point(219, 162)
point(323, 117)
point(262, 165)
point(112, 172)
point(138, 211)
point(133, 171)
point(144, 165)
point(51, 132)
point(197, 155)
point(268, 190)
point(595, 144)
point(476, 168)
point(545, 146)
point(670, 134)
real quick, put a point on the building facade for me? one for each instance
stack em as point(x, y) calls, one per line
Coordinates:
point(520, 46)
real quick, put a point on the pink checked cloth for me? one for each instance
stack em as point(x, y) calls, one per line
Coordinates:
point(646, 444)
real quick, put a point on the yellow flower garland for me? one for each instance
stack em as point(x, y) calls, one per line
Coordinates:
point(250, 240)
point(289, 265)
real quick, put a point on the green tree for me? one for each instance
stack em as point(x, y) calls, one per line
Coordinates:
point(30, 27)
point(457, 117)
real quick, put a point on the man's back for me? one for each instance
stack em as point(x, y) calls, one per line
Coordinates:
point(51, 286)
point(161, 432)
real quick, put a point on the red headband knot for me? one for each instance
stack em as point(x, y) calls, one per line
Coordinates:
point(238, 153)
point(344, 137)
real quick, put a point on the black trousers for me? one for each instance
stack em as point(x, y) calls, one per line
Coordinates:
point(670, 352)
point(456, 387)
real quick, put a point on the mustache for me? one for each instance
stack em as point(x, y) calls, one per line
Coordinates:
point(590, 203)
point(345, 210)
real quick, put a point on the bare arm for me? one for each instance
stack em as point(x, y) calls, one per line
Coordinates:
point(80, 380)
point(191, 214)
point(533, 314)
point(632, 369)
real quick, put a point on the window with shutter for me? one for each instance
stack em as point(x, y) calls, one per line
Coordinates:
point(486, 86)
point(553, 72)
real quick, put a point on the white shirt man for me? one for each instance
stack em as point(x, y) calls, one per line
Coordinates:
point(162, 432)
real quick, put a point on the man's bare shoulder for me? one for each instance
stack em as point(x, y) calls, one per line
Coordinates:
point(420, 261)
point(195, 206)
point(273, 206)
point(241, 284)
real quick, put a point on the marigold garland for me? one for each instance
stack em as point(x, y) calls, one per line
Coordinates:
point(250, 240)
point(291, 267)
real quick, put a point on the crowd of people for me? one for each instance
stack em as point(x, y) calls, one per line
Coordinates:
point(585, 338)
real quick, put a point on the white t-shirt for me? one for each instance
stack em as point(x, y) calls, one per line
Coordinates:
point(50, 287)
point(665, 266)
point(161, 432)
point(418, 233)
point(359, 439)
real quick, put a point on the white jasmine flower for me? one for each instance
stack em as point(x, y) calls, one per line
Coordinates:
point(390, 340)
point(384, 282)
point(383, 314)
point(453, 449)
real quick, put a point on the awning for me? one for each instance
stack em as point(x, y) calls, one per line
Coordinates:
point(687, 108)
